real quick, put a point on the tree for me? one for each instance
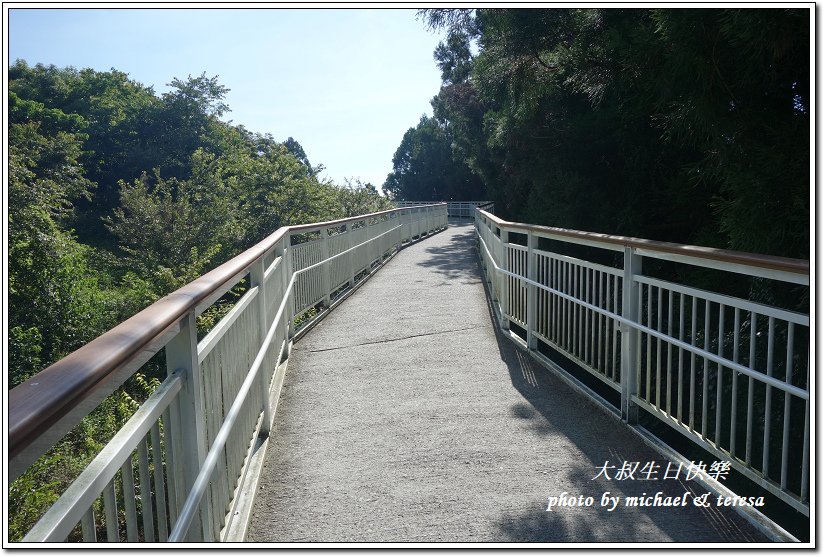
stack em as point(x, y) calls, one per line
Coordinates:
point(55, 298)
point(359, 198)
point(687, 125)
point(296, 150)
point(423, 167)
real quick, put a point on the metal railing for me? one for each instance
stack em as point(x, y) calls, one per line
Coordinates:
point(459, 209)
point(189, 442)
point(730, 374)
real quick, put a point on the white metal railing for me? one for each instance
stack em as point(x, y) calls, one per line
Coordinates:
point(730, 374)
point(460, 209)
point(190, 440)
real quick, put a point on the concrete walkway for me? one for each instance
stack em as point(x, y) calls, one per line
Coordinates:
point(405, 417)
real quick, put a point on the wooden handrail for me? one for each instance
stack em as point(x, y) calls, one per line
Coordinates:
point(45, 398)
point(786, 264)
point(339, 222)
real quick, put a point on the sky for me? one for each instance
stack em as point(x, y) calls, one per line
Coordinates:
point(345, 83)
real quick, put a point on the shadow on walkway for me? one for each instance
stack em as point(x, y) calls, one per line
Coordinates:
point(573, 422)
point(456, 260)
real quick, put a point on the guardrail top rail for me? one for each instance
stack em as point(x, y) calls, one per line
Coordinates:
point(729, 373)
point(192, 413)
point(465, 209)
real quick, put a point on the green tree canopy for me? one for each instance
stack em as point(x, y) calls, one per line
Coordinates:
point(424, 168)
point(689, 125)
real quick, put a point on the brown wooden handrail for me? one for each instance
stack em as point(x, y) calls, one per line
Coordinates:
point(45, 398)
point(786, 264)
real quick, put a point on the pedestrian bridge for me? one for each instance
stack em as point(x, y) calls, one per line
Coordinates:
point(409, 376)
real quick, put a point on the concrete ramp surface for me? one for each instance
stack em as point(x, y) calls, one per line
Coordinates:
point(406, 417)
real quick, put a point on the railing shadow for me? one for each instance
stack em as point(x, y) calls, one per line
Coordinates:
point(553, 409)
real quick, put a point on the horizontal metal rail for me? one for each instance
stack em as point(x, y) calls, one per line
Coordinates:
point(69, 509)
point(772, 381)
point(193, 502)
point(189, 453)
point(789, 270)
point(462, 209)
point(729, 373)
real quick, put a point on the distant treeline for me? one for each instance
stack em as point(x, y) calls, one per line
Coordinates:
point(684, 125)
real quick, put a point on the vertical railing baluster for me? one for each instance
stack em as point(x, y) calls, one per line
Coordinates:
point(546, 298)
point(352, 259)
point(174, 471)
point(694, 340)
point(129, 500)
point(505, 279)
point(88, 527)
point(719, 377)
point(559, 303)
point(639, 359)
point(765, 461)
point(705, 373)
point(327, 268)
point(160, 488)
point(216, 387)
point(805, 451)
point(539, 298)
point(658, 327)
point(750, 388)
point(788, 373)
point(669, 353)
point(288, 271)
point(145, 492)
point(567, 307)
point(587, 316)
point(531, 292)
point(649, 339)
point(600, 338)
point(553, 310)
point(110, 509)
point(736, 338)
point(576, 327)
point(616, 370)
point(512, 301)
point(681, 337)
point(523, 287)
point(517, 285)
point(630, 336)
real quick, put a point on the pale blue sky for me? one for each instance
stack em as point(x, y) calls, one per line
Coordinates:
point(345, 83)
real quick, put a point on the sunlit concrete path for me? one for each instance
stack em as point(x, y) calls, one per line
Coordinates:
point(406, 417)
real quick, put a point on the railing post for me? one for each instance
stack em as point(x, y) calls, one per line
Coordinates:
point(290, 298)
point(399, 234)
point(257, 278)
point(531, 292)
point(504, 284)
point(406, 228)
point(327, 272)
point(629, 337)
point(181, 354)
point(350, 231)
point(427, 211)
point(371, 246)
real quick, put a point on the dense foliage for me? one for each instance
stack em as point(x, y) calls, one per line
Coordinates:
point(687, 125)
point(425, 168)
point(118, 196)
